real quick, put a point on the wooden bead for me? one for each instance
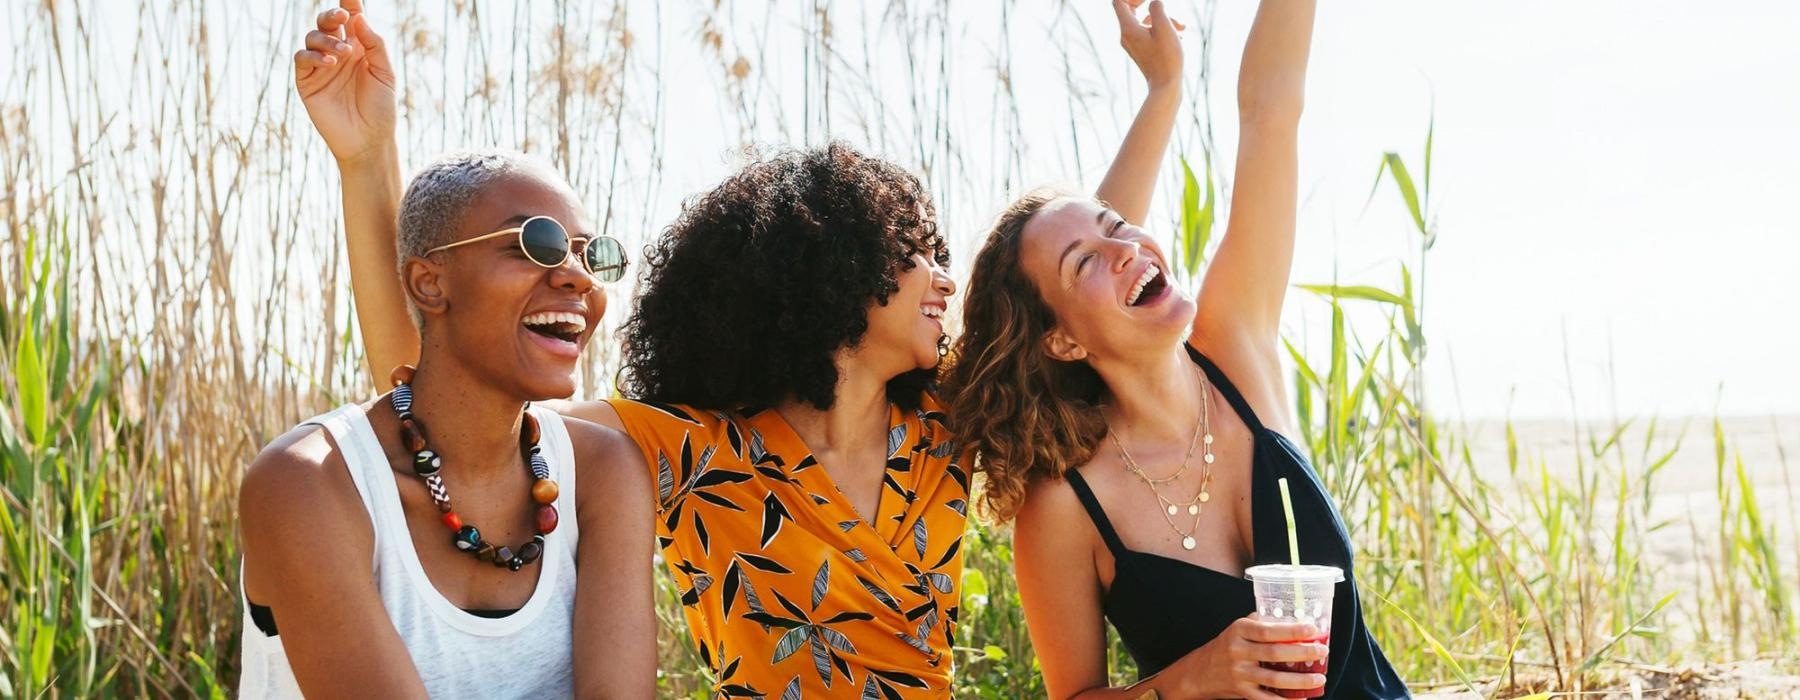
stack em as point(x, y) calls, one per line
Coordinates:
point(467, 538)
point(452, 520)
point(530, 551)
point(544, 491)
point(546, 519)
point(486, 553)
point(402, 375)
point(502, 556)
point(412, 435)
point(528, 430)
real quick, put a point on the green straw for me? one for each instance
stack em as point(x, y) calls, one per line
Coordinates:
point(1287, 508)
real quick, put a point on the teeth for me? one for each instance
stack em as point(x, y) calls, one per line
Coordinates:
point(1150, 273)
point(551, 318)
point(931, 312)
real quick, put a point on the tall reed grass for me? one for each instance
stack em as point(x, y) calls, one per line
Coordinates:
point(174, 298)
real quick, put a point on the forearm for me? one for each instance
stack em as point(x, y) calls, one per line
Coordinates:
point(1272, 77)
point(1146, 689)
point(1131, 179)
point(371, 190)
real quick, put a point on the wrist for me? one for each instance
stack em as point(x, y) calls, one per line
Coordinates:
point(1166, 89)
point(379, 156)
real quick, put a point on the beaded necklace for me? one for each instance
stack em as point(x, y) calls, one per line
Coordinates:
point(428, 465)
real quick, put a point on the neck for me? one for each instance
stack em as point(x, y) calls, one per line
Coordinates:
point(1155, 399)
point(858, 413)
point(473, 425)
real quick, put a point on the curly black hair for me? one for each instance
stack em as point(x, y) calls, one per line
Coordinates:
point(758, 282)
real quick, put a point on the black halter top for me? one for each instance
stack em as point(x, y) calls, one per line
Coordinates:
point(1164, 608)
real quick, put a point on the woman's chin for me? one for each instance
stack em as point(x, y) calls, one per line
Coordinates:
point(545, 386)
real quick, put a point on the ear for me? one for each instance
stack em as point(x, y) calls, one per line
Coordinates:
point(424, 284)
point(1059, 345)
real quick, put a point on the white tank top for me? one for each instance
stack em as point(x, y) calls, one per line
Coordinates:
point(458, 654)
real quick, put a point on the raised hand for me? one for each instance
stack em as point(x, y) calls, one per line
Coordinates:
point(346, 81)
point(1153, 43)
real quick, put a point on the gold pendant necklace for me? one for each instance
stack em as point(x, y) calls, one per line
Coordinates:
point(1194, 505)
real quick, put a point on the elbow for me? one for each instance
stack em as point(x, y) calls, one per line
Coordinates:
point(1271, 102)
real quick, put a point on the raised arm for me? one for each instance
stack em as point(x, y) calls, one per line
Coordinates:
point(346, 81)
point(1241, 296)
point(1155, 47)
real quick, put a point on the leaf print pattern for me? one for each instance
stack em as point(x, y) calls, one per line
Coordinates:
point(813, 600)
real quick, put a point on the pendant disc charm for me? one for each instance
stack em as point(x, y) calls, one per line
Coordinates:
point(1187, 542)
point(1171, 510)
point(1193, 510)
point(1204, 496)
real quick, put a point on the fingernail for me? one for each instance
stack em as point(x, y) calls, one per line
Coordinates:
point(330, 59)
point(341, 46)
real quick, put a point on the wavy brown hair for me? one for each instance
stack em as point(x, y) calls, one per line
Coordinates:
point(1026, 414)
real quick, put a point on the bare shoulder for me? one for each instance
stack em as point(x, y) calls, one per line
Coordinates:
point(607, 459)
point(600, 412)
point(299, 484)
point(300, 470)
point(1051, 513)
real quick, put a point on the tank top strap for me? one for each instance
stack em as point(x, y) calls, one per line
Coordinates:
point(1226, 388)
point(1096, 513)
point(363, 457)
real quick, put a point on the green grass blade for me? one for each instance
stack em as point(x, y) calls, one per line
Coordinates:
point(33, 384)
point(1363, 292)
point(1397, 168)
point(1437, 647)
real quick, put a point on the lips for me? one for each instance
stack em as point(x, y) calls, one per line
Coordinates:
point(561, 325)
point(1149, 286)
point(558, 333)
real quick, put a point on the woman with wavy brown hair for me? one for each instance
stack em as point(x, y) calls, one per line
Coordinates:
point(779, 361)
point(1138, 455)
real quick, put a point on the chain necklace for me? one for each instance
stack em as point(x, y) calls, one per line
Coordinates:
point(1195, 504)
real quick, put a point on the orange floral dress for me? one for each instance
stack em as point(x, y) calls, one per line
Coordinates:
point(787, 591)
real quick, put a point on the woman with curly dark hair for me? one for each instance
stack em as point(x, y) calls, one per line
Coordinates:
point(810, 502)
point(1081, 386)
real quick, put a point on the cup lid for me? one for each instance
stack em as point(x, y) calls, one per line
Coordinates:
point(1289, 573)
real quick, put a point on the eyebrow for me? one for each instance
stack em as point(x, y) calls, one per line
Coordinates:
point(1065, 253)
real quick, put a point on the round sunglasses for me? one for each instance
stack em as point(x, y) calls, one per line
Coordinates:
point(547, 243)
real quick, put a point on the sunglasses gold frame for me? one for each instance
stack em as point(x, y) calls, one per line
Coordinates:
point(519, 233)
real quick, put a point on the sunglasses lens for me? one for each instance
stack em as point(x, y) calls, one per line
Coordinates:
point(606, 258)
point(544, 241)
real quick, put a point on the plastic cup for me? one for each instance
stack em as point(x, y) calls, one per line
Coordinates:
point(1289, 593)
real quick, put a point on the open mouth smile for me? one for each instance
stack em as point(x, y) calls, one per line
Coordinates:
point(1149, 287)
point(562, 326)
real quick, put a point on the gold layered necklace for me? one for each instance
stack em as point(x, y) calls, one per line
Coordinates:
point(1194, 505)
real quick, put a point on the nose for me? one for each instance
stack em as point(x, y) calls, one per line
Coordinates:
point(1123, 252)
point(573, 275)
point(941, 281)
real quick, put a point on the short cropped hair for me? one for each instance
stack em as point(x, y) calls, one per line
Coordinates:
point(441, 193)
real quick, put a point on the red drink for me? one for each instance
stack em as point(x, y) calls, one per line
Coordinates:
point(1301, 667)
point(1297, 593)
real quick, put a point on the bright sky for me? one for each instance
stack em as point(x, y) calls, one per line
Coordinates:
point(1612, 183)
